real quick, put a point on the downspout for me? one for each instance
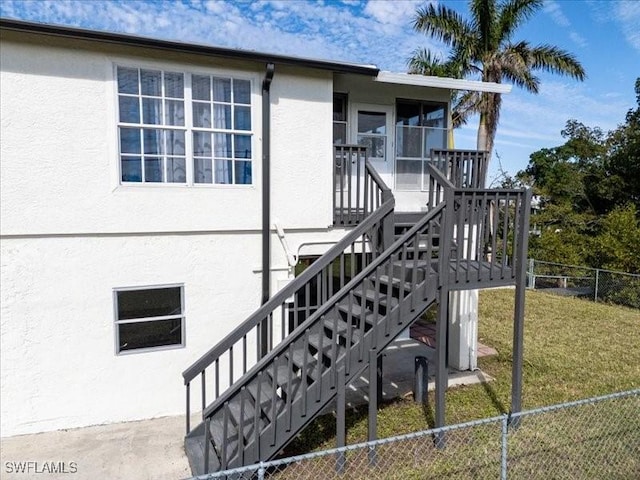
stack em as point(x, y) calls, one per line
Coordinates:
point(266, 199)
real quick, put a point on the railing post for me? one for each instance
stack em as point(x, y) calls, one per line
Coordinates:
point(387, 222)
point(518, 315)
point(188, 413)
point(341, 406)
point(373, 403)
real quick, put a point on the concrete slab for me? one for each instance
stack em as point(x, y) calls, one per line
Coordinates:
point(398, 373)
point(153, 449)
point(148, 449)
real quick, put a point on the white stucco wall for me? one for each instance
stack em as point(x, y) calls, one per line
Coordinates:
point(70, 233)
point(60, 159)
point(59, 367)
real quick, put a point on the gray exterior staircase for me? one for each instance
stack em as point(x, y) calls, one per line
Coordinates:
point(279, 369)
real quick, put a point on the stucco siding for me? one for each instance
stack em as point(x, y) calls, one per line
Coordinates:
point(59, 364)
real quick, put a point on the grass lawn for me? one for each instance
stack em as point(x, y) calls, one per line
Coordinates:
point(574, 349)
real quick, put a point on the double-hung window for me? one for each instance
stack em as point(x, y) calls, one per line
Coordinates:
point(148, 318)
point(420, 126)
point(179, 127)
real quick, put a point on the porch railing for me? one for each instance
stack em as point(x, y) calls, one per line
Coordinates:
point(358, 188)
point(465, 168)
point(222, 366)
point(488, 230)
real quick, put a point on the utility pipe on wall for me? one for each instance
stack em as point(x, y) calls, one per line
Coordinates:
point(266, 197)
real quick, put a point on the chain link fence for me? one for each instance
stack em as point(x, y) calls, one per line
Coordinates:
point(588, 439)
point(591, 283)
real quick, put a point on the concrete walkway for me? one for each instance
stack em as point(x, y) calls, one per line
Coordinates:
point(153, 449)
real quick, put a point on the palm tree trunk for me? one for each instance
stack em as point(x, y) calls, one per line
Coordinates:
point(482, 141)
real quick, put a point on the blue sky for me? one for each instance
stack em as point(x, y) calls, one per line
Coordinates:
point(603, 34)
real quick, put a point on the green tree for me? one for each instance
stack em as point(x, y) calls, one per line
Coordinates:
point(590, 196)
point(482, 46)
point(623, 164)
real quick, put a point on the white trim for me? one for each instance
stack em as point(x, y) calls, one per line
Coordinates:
point(188, 71)
point(441, 82)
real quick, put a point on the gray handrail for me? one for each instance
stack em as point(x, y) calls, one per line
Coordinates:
point(376, 177)
point(322, 310)
point(436, 172)
point(279, 297)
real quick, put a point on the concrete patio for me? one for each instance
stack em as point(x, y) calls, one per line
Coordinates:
point(153, 449)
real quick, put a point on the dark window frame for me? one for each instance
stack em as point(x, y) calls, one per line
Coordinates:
point(344, 98)
point(147, 319)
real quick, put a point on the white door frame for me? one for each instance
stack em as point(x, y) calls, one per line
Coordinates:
point(385, 168)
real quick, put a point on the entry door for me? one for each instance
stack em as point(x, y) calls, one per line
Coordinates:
point(372, 128)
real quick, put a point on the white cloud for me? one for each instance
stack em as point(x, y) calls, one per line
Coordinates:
point(399, 12)
point(552, 8)
point(628, 14)
point(578, 39)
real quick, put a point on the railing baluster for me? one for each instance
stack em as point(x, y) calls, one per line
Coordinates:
point(505, 239)
point(274, 397)
point(471, 237)
point(305, 372)
point(244, 354)
point(307, 301)
point(188, 413)
point(204, 389)
point(320, 359)
point(241, 425)
point(217, 373)
point(349, 330)
point(225, 435)
point(289, 387)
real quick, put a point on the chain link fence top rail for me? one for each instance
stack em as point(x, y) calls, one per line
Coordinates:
point(597, 438)
point(592, 283)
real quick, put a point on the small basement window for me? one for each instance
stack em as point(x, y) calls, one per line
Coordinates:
point(149, 318)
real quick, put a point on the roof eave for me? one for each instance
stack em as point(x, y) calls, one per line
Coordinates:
point(199, 49)
point(442, 82)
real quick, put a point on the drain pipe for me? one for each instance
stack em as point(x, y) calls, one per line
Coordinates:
point(266, 199)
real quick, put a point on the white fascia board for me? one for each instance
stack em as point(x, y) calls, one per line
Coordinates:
point(442, 82)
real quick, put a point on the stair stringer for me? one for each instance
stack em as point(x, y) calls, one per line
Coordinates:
point(317, 395)
point(356, 366)
point(403, 281)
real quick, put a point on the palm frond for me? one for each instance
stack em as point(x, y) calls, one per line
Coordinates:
point(444, 24)
point(425, 62)
point(513, 14)
point(555, 60)
point(515, 67)
point(464, 105)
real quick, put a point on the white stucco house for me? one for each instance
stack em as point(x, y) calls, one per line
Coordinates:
point(154, 193)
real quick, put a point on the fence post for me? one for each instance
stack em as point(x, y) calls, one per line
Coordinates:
point(503, 451)
point(261, 472)
point(595, 295)
point(531, 273)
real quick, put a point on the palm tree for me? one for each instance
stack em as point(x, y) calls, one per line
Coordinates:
point(481, 47)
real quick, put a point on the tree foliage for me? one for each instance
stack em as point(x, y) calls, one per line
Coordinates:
point(482, 47)
point(590, 196)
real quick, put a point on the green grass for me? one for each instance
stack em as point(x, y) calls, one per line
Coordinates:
point(574, 349)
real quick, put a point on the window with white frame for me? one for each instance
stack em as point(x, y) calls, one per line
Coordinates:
point(149, 318)
point(420, 126)
point(177, 127)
